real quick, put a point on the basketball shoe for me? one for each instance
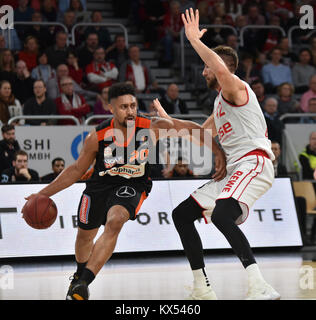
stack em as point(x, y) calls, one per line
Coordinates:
point(78, 289)
point(202, 293)
point(261, 290)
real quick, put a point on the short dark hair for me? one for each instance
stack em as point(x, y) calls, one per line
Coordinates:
point(57, 159)
point(7, 127)
point(20, 153)
point(227, 51)
point(121, 89)
point(40, 80)
point(256, 82)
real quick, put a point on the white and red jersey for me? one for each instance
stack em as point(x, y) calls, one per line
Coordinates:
point(241, 129)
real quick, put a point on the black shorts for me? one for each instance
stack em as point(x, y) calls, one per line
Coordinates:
point(93, 206)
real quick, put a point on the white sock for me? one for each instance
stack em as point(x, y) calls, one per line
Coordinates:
point(254, 273)
point(200, 278)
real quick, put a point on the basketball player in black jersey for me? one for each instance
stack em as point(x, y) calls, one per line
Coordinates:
point(120, 181)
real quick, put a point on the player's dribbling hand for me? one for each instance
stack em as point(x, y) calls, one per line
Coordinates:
point(191, 24)
point(220, 166)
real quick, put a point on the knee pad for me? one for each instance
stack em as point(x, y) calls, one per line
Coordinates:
point(226, 209)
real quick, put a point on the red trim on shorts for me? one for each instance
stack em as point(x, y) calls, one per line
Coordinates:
point(205, 220)
point(253, 177)
point(237, 105)
point(246, 176)
point(256, 152)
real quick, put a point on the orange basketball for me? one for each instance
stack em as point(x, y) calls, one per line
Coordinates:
point(40, 212)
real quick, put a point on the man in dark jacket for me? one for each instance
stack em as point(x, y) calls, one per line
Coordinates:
point(8, 147)
point(171, 101)
point(20, 171)
point(308, 158)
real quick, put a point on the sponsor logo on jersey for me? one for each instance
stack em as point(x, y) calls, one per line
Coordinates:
point(126, 171)
point(232, 181)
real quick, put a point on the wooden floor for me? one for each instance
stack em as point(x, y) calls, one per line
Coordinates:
point(164, 278)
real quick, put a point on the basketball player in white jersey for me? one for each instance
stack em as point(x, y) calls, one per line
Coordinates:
point(240, 125)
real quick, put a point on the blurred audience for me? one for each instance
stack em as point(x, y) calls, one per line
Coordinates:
point(30, 52)
point(101, 106)
point(308, 158)
point(8, 146)
point(286, 100)
point(311, 109)
point(43, 71)
point(39, 105)
point(85, 54)
point(9, 105)
point(58, 165)
point(20, 172)
point(274, 125)
point(311, 93)
point(71, 103)
point(7, 66)
point(275, 73)
point(171, 101)
point(75, 72)
point(117, 52)
point(101, 73)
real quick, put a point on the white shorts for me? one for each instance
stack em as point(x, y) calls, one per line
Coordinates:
point(246, 181)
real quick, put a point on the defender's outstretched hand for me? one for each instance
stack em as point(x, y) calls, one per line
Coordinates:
point(160, 110)
point(191, 24)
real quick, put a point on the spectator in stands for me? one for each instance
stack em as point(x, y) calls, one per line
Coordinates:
point(100, 72)
point(180, 169)
point(48, 10)
point(101, 107)
point(279, 169)
point(274, 125)
point(303, 71)
point(43, 71)
point(204, 12)
point(53, 85)
point(288, 56)
point(218, 10)
point(311, 109)
point(8, 146)
point(39, 105)
point(69, 20)
point(270, 37)
point(23, 12)
point(20, 171)
point(9, 105)
point(7, 66)
point(137, 71)
point(308, 158)
point(57, 53)
point(81, 15)
point(215, 36)
point(117, 52)
point(23, 84)
point(64, 5)
point(102, 32)
point(71, 103)
point(75, 72)
point(2, 43)
point(85, 54)
point(30, 52)
point(286, 100)
point(246, 69)
point(275, 73)
point(240, 22)
point(154, 13)
point(258, 88)
point(313, 50)
point(232, 41)
point(172, 25)
point(58, 165)
point(171, 101)
point(10, 36)
point(311, 93)
point(253, 15)
point(41, 33)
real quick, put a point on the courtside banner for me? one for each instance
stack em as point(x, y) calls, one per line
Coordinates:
point(272, 222)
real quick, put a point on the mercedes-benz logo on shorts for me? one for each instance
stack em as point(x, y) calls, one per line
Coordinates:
point(126, 192)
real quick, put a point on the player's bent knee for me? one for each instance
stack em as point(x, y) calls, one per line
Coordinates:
point(225, 210)
point(86, 235)
point(116, 218)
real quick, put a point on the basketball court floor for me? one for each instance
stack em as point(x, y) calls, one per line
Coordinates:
point(164, 277)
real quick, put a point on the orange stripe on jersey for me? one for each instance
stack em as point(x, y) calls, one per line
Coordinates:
point(143, 122)
point(142, 198)
point(105, 133)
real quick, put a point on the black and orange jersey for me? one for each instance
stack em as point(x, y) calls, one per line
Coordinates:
point(126, 163)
